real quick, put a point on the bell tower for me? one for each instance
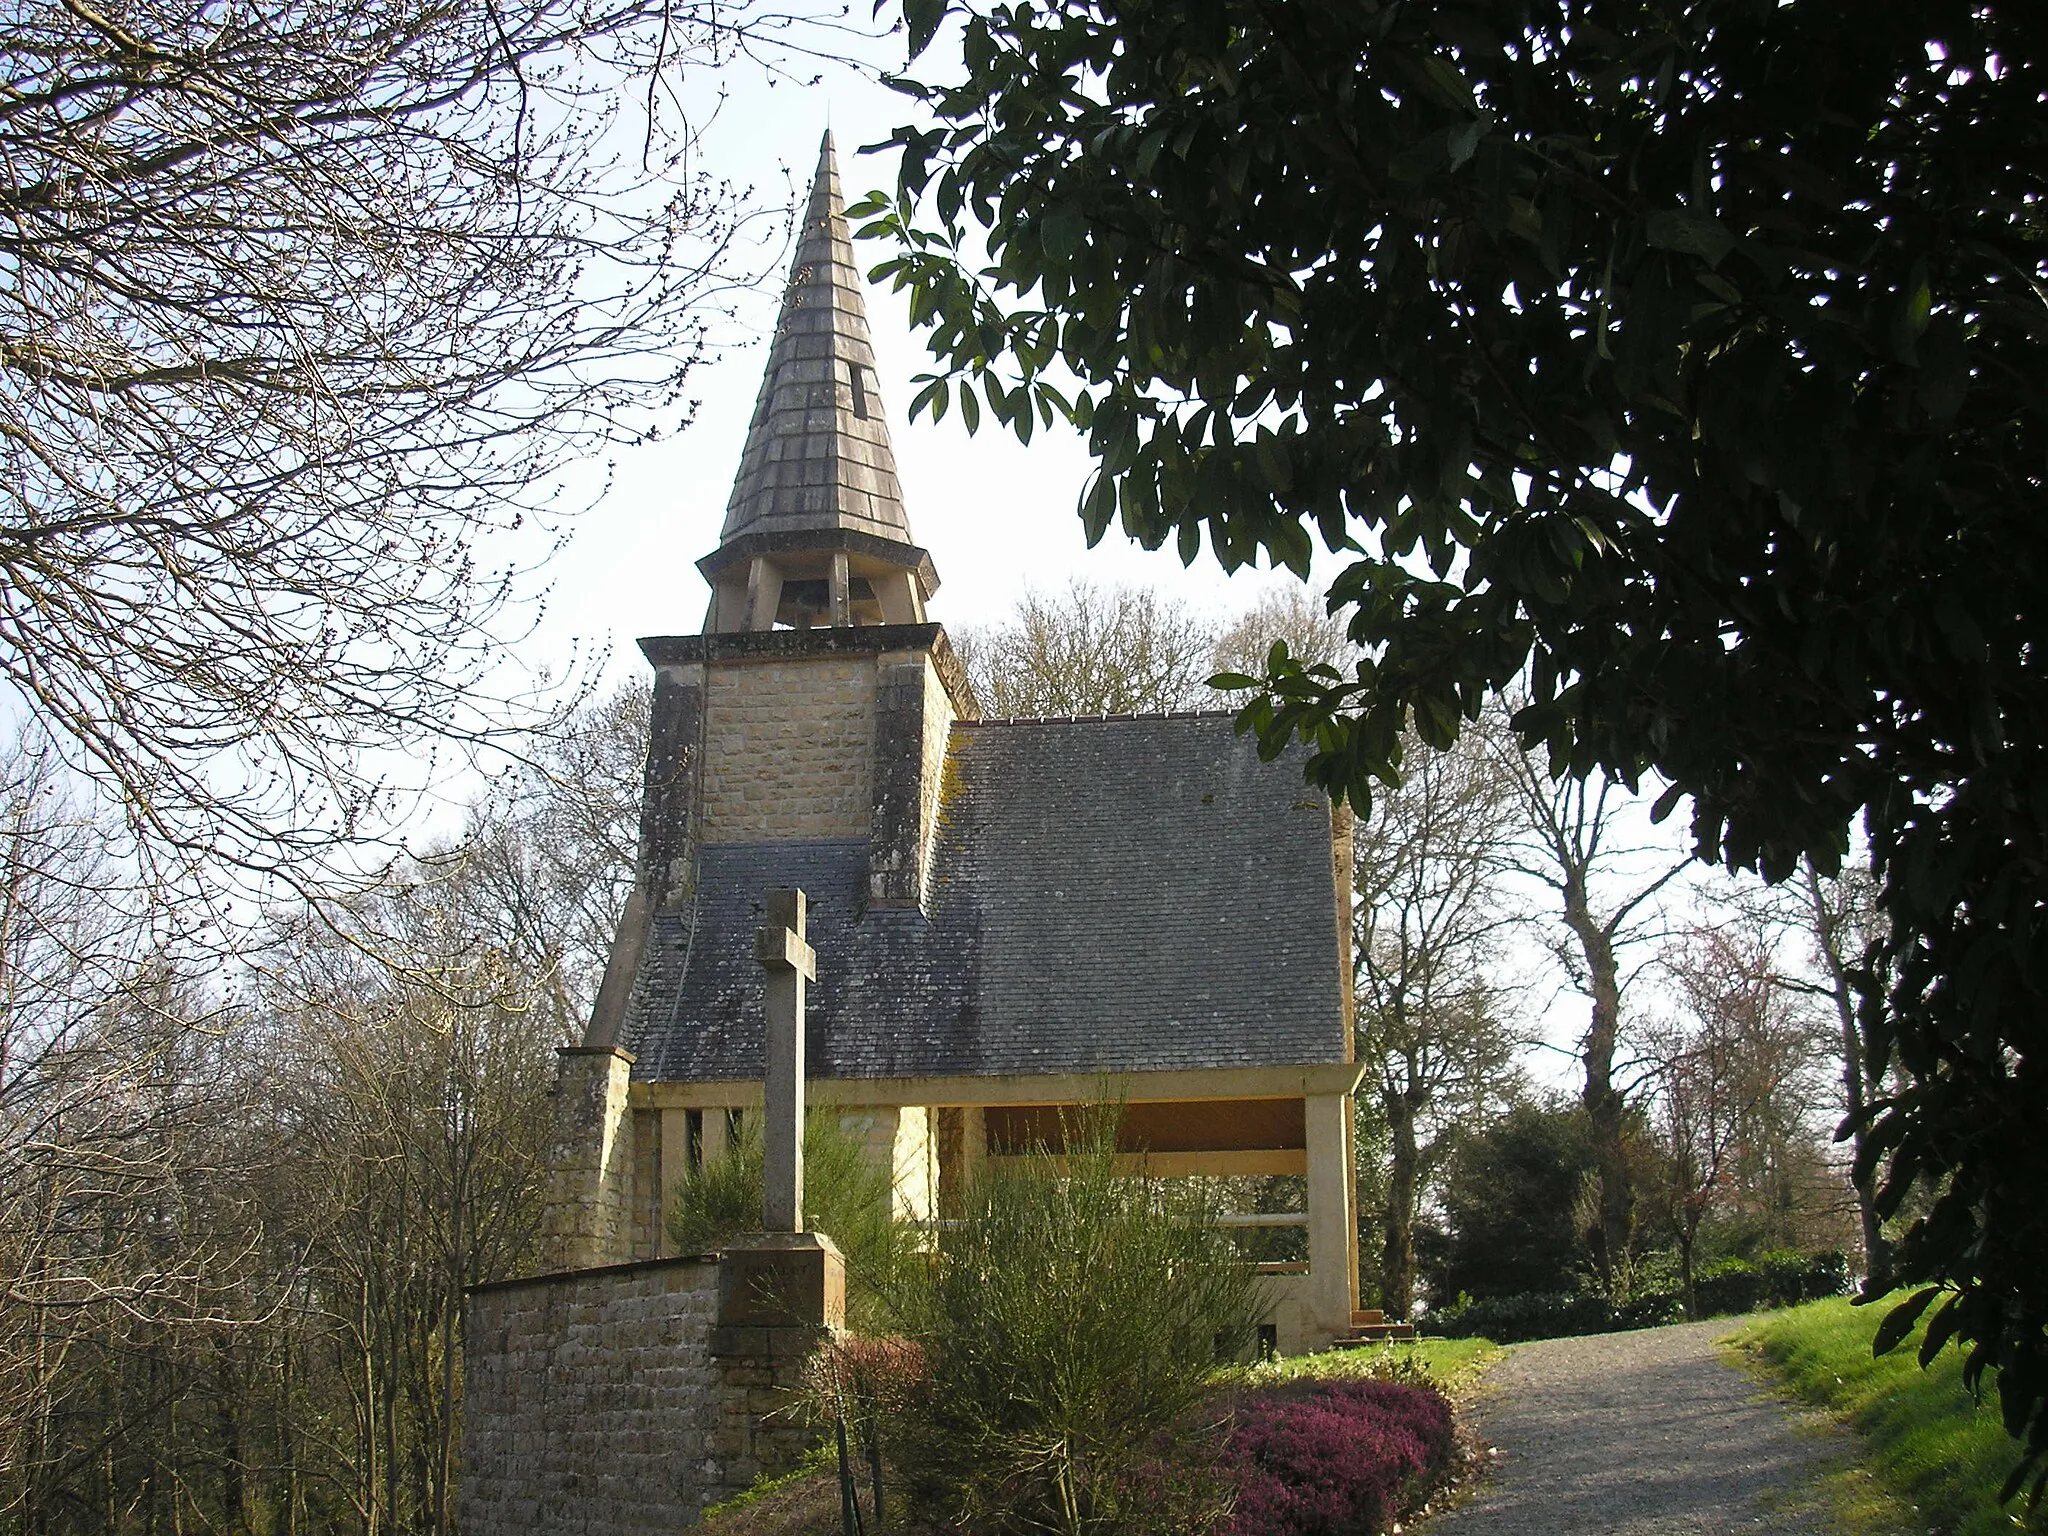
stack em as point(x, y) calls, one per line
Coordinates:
point(809, 719)
point(815, 533)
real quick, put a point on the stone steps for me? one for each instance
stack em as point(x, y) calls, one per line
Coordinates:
point(1371, 1327)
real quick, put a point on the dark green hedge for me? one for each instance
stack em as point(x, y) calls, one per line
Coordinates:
point(1723, 1287)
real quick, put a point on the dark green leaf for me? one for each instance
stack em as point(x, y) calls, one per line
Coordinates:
point(922, 18)
point(1697, 234)
point(1900, 1320)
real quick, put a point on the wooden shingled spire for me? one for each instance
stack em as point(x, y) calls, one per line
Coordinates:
point(815, 532)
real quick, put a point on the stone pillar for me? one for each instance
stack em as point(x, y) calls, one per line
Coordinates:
point(961, 1138)
point(1332, 1217)
point(839, 583)
point(776, 1292)
point(590, 1181)
point(973, 1143)
point(897, 593)
point(1351, 1186)
point(675, 1168)
point(913, 1165)
point(764, 593)
point(780, 1295)
point(721, 1137)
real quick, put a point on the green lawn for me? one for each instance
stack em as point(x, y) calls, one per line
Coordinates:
point(1453, 1364)
point(1929, 1442)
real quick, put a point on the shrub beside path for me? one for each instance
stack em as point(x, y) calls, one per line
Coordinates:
point(1649, 1433)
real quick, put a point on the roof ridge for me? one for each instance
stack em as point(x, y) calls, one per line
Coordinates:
point(1115, 718)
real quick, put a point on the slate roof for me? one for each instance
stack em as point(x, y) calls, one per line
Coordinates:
point(1112, 895)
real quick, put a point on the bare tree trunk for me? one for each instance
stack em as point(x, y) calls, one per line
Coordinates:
point(110, 1520)
point(38, 1458)
point(152, 1488)
point(367, 1465)
point(1828, 923)
point(444, 1458)
point(444, 1447)
point(172, 1448)
point(288, 1519)
point(1688, 1239)
point(1428, 918)
point(388, 1403)
point(1606, 1106)
point(234, 1502)
point(1606, 900)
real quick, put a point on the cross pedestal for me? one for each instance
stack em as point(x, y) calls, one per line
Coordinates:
point(777, 1290)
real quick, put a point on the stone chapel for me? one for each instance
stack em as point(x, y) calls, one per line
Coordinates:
point(1008, 915)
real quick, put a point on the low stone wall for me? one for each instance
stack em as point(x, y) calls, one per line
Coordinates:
point(602, 1402)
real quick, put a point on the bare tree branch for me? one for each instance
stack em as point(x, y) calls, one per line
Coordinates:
point(305, 308)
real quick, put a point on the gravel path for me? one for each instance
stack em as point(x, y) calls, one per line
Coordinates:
point(1648, 1434)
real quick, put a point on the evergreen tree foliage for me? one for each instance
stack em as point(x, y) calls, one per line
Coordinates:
point(1509, 1200)
point(1682, 358)
point(1073, 1314)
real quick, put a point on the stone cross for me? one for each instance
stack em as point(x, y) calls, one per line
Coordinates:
point(780, 949)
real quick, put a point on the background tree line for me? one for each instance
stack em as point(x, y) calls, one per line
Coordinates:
point(306, 313)
point(240, 1205)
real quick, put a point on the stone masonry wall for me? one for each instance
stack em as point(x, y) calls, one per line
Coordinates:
point(913, 716)
point(787, 749)
point(594, 1406)
point(895, 838)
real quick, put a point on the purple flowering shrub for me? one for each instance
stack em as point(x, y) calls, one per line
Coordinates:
point(1333, 1458)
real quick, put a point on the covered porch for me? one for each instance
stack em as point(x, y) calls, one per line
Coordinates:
point(937, 1133)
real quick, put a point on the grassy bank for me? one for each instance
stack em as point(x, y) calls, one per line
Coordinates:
point(1929, 1443)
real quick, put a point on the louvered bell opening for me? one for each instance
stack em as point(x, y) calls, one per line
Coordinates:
point(807, 603)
